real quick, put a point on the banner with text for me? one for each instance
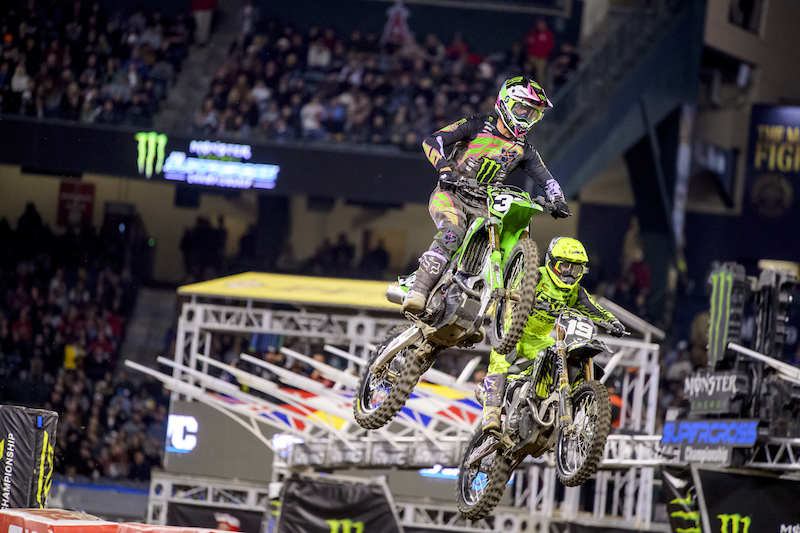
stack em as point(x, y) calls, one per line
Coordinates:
point(26, 456)
point(740, 503)
point(773, 163)
point(315, 506)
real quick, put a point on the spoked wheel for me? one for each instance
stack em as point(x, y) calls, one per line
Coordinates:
point(379, 397)
point(578, 454)
point(480, 487)
point(520, 276)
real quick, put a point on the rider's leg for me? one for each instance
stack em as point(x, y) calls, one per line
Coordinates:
point(493, 389)
point(448, 215)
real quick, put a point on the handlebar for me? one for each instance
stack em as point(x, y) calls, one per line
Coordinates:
point(475, 188)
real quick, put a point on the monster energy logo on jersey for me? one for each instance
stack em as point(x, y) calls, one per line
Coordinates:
point(150, 152)
point(487, 171)
point(7, 452)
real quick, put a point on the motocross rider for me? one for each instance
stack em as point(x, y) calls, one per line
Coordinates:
point(559, 285)
point(485, 147)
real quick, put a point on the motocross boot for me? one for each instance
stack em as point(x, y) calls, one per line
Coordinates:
point(493, 386)
point(430, 268)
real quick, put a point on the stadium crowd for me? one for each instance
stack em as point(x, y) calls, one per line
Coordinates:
point(278, 83)
point(65, 301)
point(71, 60)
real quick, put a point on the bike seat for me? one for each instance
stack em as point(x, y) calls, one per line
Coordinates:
point(520, 365)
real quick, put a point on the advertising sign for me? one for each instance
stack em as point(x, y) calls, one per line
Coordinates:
point(712, 392)
point(209, 163)
point(26, 456)
point(315, 506)
point(199, 441)
point(709, 441)
point(773, 170)
point(208, 517)
point(747, 503)
point(75, 203)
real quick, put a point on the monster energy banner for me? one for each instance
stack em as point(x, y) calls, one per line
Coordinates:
point(26, 448)
point(739, 503)
point(681, 499)
point(316, 506)
point(712, 501)
point(727, 309)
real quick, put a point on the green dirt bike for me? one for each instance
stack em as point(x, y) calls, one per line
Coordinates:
point(492, 276)
point(552, 403)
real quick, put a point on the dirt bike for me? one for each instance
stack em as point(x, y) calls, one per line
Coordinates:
point(559, 406)
point(492, 276)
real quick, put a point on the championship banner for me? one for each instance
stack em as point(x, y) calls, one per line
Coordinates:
point(26, 456)
point(220, 518)
point(316, 506)
point(739, 503)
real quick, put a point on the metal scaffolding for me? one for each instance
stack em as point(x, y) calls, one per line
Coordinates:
point(433, 427)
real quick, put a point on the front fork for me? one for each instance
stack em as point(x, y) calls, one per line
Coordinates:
point(495, 259)
point(564, 390)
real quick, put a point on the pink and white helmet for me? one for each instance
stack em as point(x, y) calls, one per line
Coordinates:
point(521, 104)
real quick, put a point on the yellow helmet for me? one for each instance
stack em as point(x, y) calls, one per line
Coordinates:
point(566, 261)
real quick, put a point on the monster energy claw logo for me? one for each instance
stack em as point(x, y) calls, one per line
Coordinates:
point(150, 152)
point(345, 526)
point(734, 523)
point(487, 171)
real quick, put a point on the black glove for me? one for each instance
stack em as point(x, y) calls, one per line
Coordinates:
point(617, 329)
point(561, 208)
point(446, 180)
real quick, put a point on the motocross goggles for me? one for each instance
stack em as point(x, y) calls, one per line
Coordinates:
point(570, 271)
point(526, 112)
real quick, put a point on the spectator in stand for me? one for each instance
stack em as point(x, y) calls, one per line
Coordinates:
point(203, 13)
point(540, 43)
point(565, 65)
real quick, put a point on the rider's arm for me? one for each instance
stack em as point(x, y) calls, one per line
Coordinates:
point(434, 144)
point(586, 305)
point(532, 164)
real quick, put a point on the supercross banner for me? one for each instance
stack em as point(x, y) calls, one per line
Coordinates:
point(313, 506)
point(26, 456)
point(740, 503)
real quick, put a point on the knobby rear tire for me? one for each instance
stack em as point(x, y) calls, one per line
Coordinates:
point(398, 393)
point(503, 341)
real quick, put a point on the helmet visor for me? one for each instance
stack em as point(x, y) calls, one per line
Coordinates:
point(526, 112)
point(569, 270)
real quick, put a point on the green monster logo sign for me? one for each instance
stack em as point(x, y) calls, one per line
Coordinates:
point(345, 526)
point(209, 163)
point(734, 523)
point(150, 152)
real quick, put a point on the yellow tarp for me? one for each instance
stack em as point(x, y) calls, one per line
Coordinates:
point(296, 289)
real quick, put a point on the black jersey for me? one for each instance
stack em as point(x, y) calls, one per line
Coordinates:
point(474, 148)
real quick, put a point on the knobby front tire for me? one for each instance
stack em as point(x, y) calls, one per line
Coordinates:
point(578, 456)
point(479, 489)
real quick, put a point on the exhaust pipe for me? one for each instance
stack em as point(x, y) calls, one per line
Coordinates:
point(395, 294)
